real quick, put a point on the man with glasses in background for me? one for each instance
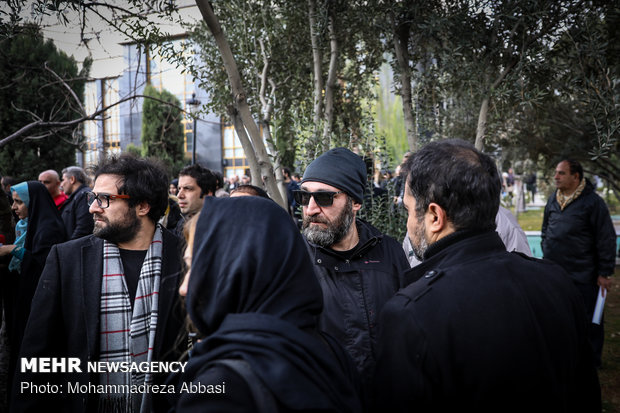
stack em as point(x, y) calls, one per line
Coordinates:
point(109, 297)
point(357, 266)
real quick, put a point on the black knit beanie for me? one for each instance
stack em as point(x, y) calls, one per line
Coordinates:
point(341, 168)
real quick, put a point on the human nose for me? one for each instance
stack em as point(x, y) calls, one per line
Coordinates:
point(313, 208)
point(94, 207)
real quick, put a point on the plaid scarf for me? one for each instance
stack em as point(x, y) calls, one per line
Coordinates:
point(127, 337)
point(564, 200)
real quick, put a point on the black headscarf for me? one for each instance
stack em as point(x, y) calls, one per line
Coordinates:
point(45, 229)
point(253, 293)
point(45, 226)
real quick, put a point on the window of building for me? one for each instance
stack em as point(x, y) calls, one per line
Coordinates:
point(111, 122)
point(234, 157)
point(91, 129)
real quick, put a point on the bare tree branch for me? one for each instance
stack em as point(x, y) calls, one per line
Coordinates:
point(58, 125)
point(64, 83)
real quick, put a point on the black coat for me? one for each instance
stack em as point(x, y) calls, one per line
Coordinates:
point(260, 306)
point(479, 329)
point(65, 320)
point(355, 290)
point(582, 238)
point(78, 221)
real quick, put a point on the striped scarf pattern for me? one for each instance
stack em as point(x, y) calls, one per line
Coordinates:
point(126, 336)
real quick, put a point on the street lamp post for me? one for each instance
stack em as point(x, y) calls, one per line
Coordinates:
point(193, 104)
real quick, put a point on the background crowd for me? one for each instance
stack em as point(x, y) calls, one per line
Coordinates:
point(310, 308)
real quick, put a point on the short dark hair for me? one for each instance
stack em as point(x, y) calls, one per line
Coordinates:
point(204, 178)
point(575, 167)
point(286, 172)
point(460, 179)
point(144, 180)
point(76, 172)
point(252, 190)
point(219, 179)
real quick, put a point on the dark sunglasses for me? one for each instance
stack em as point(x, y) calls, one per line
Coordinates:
point(322, 198)
point(103, 200)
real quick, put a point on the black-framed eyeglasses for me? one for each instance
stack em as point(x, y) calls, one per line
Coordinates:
point(322, 198)
point(103, 200)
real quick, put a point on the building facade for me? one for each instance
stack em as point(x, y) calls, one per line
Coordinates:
point(217, 145)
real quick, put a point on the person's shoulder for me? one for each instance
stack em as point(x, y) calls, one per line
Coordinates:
point(368, 229)
point(82, 191)
point(417, 290)
point(372, 232)
point(69, 249)
point(79, 242)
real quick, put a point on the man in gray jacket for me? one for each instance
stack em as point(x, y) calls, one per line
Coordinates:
point(78, 221)
point(357, 266)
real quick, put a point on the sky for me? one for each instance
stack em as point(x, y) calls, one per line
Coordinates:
point(104, 43)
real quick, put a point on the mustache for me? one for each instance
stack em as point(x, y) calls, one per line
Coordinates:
point(317, 220)
point(98, 216)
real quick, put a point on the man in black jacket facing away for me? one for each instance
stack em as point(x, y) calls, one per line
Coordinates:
point(357, 266)
point(477, 329)
point(578, 234)
point(78, 221)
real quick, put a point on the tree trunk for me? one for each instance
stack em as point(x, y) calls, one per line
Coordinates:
point(239, 100)
point(482, 122)
point(267, 110)
point(331, 83)
point(313, 143)
point(401, 40)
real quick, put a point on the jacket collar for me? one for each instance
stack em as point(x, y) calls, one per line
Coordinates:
point(457, 248)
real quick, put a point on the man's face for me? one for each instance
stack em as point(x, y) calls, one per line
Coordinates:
point(190, 201)
point(564, 181)
point(326, 226)
point(20, 208)
point(66, 185)
point(118, 223)
point(415, 226)
point(51, 182)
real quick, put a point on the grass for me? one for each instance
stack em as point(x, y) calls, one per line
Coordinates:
point(530, 220)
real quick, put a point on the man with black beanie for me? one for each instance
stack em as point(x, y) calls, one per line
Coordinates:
point(357, 266)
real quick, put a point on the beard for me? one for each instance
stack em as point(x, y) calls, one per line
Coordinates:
point(418, 241)
point(118, 232)
point(334, 232)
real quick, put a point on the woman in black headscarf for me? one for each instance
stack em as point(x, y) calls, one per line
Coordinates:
point(253, 294)
point(39, 228)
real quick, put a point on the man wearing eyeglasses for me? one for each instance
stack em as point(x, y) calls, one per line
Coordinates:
point(357, 266)
point(109, 297)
